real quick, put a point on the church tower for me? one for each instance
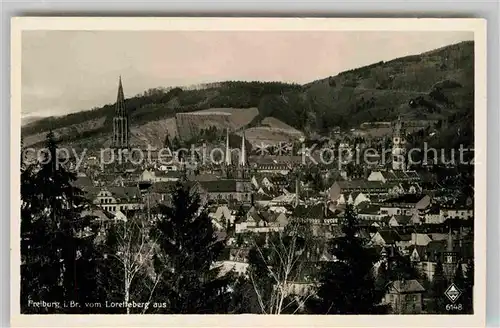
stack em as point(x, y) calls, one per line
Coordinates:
point(243, 169)
point(120, 121)
point(450, 258)
point(243, 158)
point(399, 147)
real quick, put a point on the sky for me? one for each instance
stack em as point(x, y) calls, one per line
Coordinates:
point(69, 71)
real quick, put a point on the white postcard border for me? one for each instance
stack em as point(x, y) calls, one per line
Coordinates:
point(478, 26)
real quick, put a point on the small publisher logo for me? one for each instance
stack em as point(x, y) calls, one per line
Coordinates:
point(453, 293)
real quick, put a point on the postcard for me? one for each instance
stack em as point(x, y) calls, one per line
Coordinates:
point(248, 172)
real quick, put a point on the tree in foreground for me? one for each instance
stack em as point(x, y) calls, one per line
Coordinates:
point(437, 299)
point(465, 282)
point(190, 281)
point(129, 265)
point(57, 250)
point(276, 263)
point(347, 284)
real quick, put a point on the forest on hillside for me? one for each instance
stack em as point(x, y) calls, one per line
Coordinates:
point(437, 85)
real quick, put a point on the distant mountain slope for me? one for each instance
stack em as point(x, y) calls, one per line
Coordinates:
point(30, 119)
point(437, 85)
point(440, 83)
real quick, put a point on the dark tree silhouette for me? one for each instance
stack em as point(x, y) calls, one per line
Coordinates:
point(58, 255)
point(347, 285)
point(189, 282)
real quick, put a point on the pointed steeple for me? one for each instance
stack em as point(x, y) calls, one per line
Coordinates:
point(120, 99)
point(121, 126)
point(243, 160)
point(228, 150)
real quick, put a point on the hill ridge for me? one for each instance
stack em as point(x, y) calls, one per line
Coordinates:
point(434, 85)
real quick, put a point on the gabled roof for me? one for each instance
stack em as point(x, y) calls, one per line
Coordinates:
point(405, 199)
point(420, 250)
point(309, 211)
point(402, 219)
point(368, 209)
point(163, 187)
point(83, 182)
point(400, 175)
point(203, 177)
point(361, 184)
point(278, 180)
point(168, 174)
point(389, 236)
point(223, 185)
point(437, 246)
point(126, 193)
point(407, 286)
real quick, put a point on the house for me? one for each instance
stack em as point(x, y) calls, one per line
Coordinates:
point(279, 168)
point(456, 212)
point(354, 198)
point(223, 215)
point(394, 176)
point(261, 221)
point(275, 182)
point(116, 198)
point(227, 190)
point(287, 199)
point(433, 215)
point(405, 297)
point(159, 176)
point(368, 188)
point(385, 237)
point(315, 214)
point(400, 220)
point(417, 253)
point(420, 239)
point(161, 192)
point(369, 212)
point(83, 182)
point(407, 204)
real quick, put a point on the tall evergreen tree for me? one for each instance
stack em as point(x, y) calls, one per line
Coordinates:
point(347, 285)
point(438, 301)
point(465, 282)
point(56, 239)
point(189, 281)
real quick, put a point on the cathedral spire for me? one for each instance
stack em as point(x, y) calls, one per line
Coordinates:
point(120, 99)
point(120, 121)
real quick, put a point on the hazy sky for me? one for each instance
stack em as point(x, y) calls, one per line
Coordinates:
point(68, 71)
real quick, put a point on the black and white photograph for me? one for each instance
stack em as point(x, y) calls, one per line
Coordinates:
point(238, 171)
